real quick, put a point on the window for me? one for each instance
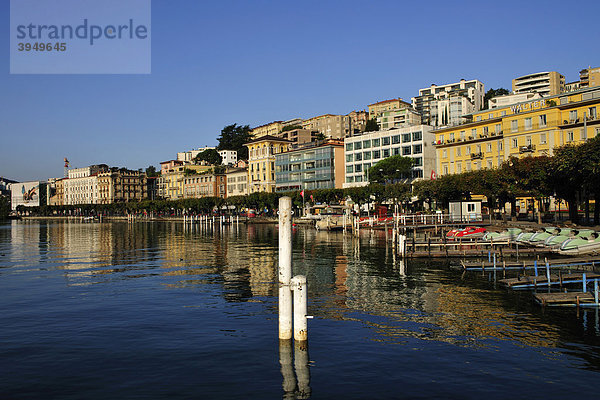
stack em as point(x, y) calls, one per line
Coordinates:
point(570, 136)
point(417, 149)
point(583, 134)
point(417, 136)
point(489, 164)
point(489, 147)
point(358, 168)
point(367, 155)
point(503, 113)
point(418, 161)
point(500, 145)
point(462, 135)
point(349, 157)
point(406, 151)
point(592, 112)
point(357, 145)
point(376, 142)
point(490, 115)
point(542, 120)
point(527, 124)
point(543, 138)
point(498, 128)
point(459, 168)
point(572, 116)
point(473, 133)
point(485, 130)
point(376, 154)
point(349, 169)
point(395, 139)
point(514, 125)
point(444, 154)
point(348, 146)
point(358, 157)
point(396, 151)
point(349, 179)
point(385, 141)
point(366, 144)
point(451, 139)
point(528, 141)
point(458, 152)
point(478, 118)
point(386, 153)
point(468, 150)
point(515, 143)
point(405, 137)
point(445, 169)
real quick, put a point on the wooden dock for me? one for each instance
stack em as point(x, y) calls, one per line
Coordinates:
point(570, 299)
point(524, 282)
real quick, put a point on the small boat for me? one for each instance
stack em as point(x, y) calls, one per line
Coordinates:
point(509, 234)
point(563, 235)
point(468, 232)
point(541, 236)
point(581, 245)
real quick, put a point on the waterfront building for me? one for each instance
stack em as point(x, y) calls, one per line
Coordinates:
point(394, 119)
point(376, 109)
point(118, 185)
point(329, 125)
point(444, 105)
point(81, 186)
point(209, 183)
point(56, 192)
point(170, 183)
point(358, 121)
point(228, 157)
point(545, 83)
point(237, 181)
point(317, 165)
point(510, 99)
point(28, 194)
point(533, 128)
point(261, 161)
point(363, 151)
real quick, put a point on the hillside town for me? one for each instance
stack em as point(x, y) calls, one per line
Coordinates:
point(444, 130)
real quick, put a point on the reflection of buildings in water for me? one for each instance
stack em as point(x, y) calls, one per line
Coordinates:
point(471, 312)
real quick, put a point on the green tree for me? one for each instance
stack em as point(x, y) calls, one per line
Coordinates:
point(371, 125)
point(211, 156)
point(233, 137)
point(151, 172)
point(493, 93)
point(390, 169)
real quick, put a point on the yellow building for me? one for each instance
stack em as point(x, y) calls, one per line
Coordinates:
point(170, 184)
point(272, 128)
point(261, 162)
point(535, 128)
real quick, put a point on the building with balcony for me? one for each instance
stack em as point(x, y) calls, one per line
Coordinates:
point(119, 185)
point(298, 135)
point(394, 119)
point(445, 105)
point(376, 109)
point(188, 156)
point(261, 162)
point(169, 184)
point(510, 99)
point(358, 121)
point(364, 151)
point(237, 181)
point(317, 165)
point(535, 128)
point(205, 184)
point(56, 192)
point(545, 83)
point(81, 186)
point(273, 128)
point(329, 125)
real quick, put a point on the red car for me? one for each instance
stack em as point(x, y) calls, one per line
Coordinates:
point(468, 232)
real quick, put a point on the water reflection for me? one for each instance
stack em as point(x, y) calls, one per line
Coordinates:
point(350, 278)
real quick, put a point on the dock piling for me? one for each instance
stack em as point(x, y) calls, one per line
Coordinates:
point(298, 284)
point(285, 268)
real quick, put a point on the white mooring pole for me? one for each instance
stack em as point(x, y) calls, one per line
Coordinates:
point(300, 307)
point(285, 268)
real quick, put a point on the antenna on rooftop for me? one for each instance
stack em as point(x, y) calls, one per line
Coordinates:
point(66, 167)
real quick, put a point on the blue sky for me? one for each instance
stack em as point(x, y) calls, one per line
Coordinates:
point(252, 62)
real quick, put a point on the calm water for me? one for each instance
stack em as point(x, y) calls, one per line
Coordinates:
point(153, 310)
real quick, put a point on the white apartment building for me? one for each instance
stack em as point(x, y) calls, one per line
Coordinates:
point(81, 186)
point(445, 105)
point(363, 151)
point(510, 99)
point(229, 157)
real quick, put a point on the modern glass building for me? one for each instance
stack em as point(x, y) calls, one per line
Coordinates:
point(310, 166)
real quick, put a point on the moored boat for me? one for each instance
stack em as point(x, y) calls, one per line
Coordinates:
point(581, 245)
point(509, 234)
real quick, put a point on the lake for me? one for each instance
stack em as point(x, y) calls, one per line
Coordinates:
point(159, 310)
